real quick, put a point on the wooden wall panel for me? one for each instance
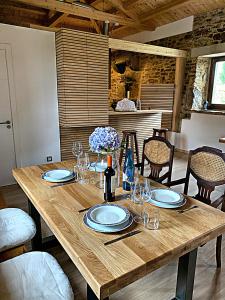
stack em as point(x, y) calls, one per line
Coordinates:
point(82, 75)
point(159, 96)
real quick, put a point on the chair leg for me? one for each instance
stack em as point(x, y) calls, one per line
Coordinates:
point(218, 251)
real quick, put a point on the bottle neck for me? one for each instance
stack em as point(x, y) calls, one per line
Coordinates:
point(109, 161)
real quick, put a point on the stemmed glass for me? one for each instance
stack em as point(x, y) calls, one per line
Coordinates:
point(138, 200)
point(77, 149)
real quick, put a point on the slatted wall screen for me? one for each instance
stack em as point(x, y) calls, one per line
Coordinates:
point(69, 135)
point(142, 124)
point(159, 96)
point(82, 76)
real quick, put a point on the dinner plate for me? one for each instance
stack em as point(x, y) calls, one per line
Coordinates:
point(166, 205)
point(108, 214)
point(107, 229)
point(59, 175)
point(166, 196)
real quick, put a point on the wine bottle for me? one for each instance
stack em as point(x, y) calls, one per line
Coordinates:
point(128, 170)
point(109, 181)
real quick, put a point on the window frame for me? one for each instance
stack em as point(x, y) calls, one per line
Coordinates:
point(211, 81)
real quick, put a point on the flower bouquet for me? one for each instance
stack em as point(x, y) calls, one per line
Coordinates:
point(103, 141)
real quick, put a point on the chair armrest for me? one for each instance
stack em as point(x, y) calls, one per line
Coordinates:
point(218, 201)
point(176, 182)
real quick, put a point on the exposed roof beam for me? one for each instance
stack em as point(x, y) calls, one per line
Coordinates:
point(145, 48)
point(129, 3)
point(119, 6)
point(57, 19)
point(94, 23)
point(80, 11)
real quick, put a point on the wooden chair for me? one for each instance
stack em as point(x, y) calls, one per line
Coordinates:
point(207, 166)
point(159, 154)
point(160, 132)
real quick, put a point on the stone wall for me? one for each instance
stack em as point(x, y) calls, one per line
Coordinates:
point(208, 29)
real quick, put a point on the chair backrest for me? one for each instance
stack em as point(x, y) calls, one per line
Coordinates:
point(159, 153)
point(207, 166)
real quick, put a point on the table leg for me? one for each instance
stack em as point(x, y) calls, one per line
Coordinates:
point(91, 295)
point(36, 242)
point(186, 275)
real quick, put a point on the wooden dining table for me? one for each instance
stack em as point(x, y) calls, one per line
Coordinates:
point(109, 268)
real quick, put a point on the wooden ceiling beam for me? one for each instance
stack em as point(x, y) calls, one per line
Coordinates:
point(129, 3)
point(57, 19)
point(80, 11)
point(145, 48)
point(119, 6)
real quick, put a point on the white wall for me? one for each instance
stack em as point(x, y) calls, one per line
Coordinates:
point(36, 118)
point(174, 28)
point(201, 130)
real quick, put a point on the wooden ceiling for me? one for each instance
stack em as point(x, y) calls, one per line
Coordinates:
point(125, 17)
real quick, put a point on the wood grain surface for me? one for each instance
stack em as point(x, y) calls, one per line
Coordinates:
point(109, 268)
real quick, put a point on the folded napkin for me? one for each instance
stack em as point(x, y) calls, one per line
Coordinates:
point(125, 105)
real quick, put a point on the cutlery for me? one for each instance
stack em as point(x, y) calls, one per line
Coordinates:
point(187, 209)
point(62, 183)
point(122, 237)
point(87, 208)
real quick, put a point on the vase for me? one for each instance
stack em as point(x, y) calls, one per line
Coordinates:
point(101, 165)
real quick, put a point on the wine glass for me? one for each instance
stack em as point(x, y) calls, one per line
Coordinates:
point(77, 149)
point(146, 189)
point(138, 200)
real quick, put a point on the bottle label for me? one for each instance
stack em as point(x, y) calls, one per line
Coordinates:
point(113, 184)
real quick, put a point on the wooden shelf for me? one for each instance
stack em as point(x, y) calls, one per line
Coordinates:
point(139, 112)
point(209, 112)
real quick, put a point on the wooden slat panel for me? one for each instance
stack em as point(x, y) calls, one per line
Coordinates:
point(159, 96)
point(143, 125)
point(82, 64)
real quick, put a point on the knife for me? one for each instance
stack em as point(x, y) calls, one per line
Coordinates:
point(122, 237)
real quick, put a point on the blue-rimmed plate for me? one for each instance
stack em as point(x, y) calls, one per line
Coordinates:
point(108, 214)
point(166, 205)
point(166, 196)
point(58, 175)
point(107, 229)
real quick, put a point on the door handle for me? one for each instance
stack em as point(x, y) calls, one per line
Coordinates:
point(6, 123)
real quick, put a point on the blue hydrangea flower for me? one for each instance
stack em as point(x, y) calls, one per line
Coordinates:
point(104, 139)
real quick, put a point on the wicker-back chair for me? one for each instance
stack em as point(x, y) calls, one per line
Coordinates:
point(207, 166)
point(159, 154)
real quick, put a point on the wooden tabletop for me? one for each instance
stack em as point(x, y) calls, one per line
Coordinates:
point(109, 268)
point(222, 140)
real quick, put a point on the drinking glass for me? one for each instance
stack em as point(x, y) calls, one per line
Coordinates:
point(138, 200)
point(83, 166)
point(151, 219)
point(77, 149)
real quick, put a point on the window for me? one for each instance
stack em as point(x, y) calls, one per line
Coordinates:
point(217, 83)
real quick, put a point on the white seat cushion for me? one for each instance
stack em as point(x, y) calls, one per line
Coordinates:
point(34, 276)
point(16, 228)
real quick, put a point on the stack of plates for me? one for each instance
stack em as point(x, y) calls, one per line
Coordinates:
point(59, 175)
point(167, 198)
point(108, 218)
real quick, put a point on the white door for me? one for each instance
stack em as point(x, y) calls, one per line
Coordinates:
point(7, 147)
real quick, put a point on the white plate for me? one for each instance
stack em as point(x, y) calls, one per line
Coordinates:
point(58, 174)
point(107, 229)
point(166, 205)
point(51, 178)
point(166, 196)
point(108, 214)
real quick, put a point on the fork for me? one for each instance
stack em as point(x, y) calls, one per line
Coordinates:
point(187, 209)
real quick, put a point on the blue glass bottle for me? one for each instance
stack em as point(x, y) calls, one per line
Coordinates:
point(128, 170)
